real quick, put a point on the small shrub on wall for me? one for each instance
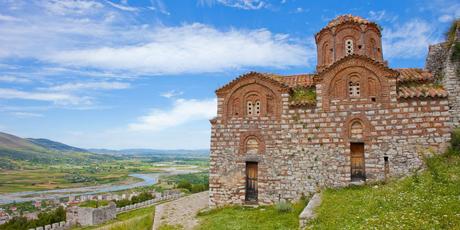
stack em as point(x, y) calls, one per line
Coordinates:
point(283, 206)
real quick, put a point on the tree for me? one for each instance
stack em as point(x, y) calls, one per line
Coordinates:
point(185, 185)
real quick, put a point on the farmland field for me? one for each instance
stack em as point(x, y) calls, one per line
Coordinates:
point(41, 177)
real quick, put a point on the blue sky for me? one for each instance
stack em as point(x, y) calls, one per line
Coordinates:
point(129, 74)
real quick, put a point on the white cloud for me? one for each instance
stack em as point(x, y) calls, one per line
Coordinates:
point(158, 5)
point(57, 98)
point(382, 16)
point(63, 7)
point(26, 114)
point(240, 4)
point(89, 86)
point(445, 18)
point(14, 79)
point(410, 40)
point(299, 10)
point(183, 111)
point(8, 18)
point(109, 41)
point(445, 10)
point(122, 138)
point(194, 48)
point(123, 7)
point(172, 93)
point(244, 4)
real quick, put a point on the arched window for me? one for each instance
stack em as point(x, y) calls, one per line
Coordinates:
point(326, 54)
point(236, 107)
point(356, 130)
point(253, 106)
point(354, 87)
point(349, 47)
point(257, 108)
point(373, 49)
point(250, 108)
point(252, 145)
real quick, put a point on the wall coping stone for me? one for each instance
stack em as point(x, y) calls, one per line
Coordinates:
point(308, 212)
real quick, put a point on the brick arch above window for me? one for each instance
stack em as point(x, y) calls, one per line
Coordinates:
point(254, 99)
point(251, 142)
point(357, 128)
point(355, 85)
point(377, 81)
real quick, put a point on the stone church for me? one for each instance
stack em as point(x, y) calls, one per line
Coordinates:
point(355, 119)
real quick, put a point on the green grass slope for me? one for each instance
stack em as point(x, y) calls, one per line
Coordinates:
point(139, 219)
point(53, 145)
point(14, 150)
point(244, 218)
point(8, 141)
point(428, 200)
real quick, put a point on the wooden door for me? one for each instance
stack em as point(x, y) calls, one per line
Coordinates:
point(357, 161)
point(251, 181)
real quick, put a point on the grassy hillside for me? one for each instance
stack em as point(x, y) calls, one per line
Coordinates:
point(139, 219)
point(57, 146)
point(16, 151)
point(428, 200)
point(9, 141)
point(263, 218)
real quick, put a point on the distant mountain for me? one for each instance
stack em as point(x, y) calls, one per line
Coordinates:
point(9, 141)
point(152, 152)
point(53, 145)
point(14, 148)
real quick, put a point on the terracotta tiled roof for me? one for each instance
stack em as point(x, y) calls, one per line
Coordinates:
point(418, 83)
point(414, 74)
point(421, 90)
point(250, 74)
point(362, 57)
point(347, 18)
point(412, 82)
point(305, 80)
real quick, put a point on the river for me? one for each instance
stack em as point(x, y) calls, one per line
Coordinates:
point(148, 179)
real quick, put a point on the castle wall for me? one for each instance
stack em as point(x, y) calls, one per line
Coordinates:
point(308, 148)
point(85, 216)
point(440, 63)
point(451, 82)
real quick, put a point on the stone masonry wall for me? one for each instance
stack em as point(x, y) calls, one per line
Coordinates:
point(91, 216)
point(308, 148)
point(440, 63)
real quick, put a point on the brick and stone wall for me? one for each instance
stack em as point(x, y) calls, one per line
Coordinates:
point(306, 149)
point(91, 216)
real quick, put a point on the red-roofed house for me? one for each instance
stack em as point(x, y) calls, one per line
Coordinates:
point(4, 217)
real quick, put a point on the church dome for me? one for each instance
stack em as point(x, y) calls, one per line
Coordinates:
point(346, 35)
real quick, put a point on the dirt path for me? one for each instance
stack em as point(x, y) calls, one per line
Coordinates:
point(181, 211)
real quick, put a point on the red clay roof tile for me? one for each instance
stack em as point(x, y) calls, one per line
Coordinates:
point(305, 80)
point(414, 74)
point(422, 90)
point(347, 18)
